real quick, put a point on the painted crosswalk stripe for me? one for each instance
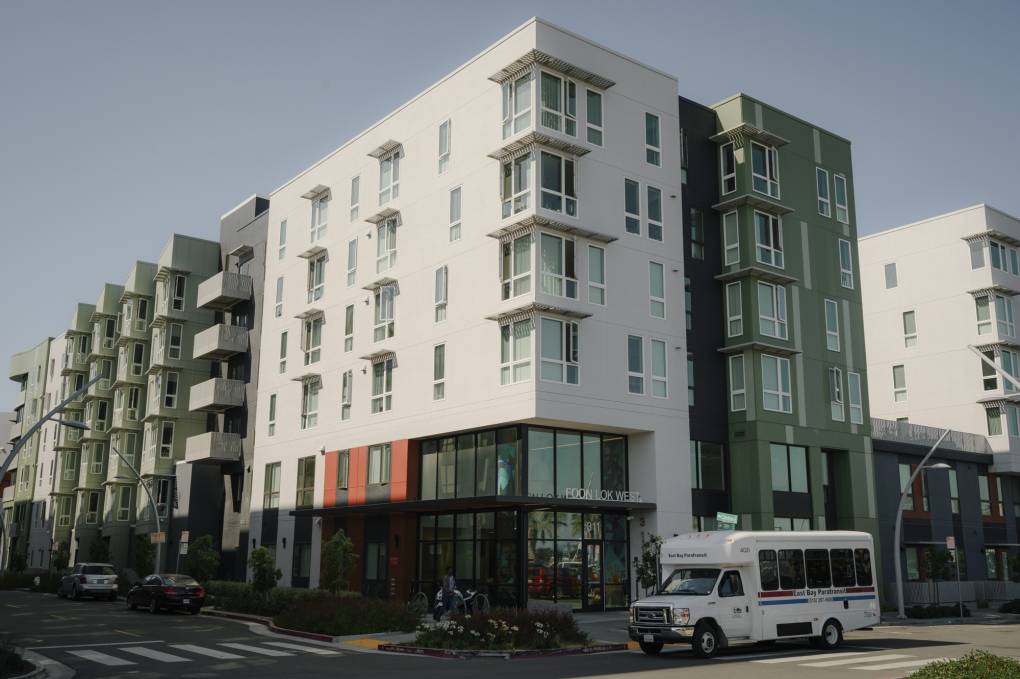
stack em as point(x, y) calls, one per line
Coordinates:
point(813, 656)
point(301, 647)
point(101, 658)
point(898, 665)
point(256, 649)
point(210, 652)
point(153, 654)
point(851, 661)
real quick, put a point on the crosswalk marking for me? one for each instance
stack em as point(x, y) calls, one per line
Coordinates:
point(899, 665)
point(301, 647)
point(851, 661)
point(101, 658)
point(153, 654)
point(255, 649)
point(813, 656)
point(210, 652)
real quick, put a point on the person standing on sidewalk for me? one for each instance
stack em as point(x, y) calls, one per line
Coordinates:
point(449, 587)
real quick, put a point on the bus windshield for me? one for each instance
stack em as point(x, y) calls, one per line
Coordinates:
point(696, 581)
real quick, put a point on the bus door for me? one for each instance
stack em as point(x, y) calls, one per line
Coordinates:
point(734, 612)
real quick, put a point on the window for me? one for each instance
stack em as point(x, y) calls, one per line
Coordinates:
point(853, 384)
point(166, 440)
point(655, 215)
point(1011, 364)
point(283, 239)
point(556, 261)
point(899, 376)
point(690, 380)
point(170, 393)
point(836, 395)
point(442, 287)
point(384, 323)
point(977, 254)
point(789, 468)
point(822, 181)
point(310, 403)
point(728, 166)
point(558, 192)
point(382, 386)
point(660, 380)
point(70, 467)
point(559, 351)
point(772, 310)
point(954, 492)
point(734, 310)
point(272, 414)
point(516, 267)
point(707, 466)
point(346, 390)
point(389, 178)
point(516, 105)
point(137, 359)
point(559, 104)
point(177, 303)
point(905, 471)
point(316, 277)
point(455, 214)
point(515, 188)
point(635, 365)
point(444, 146)
point(92, 512)
point(731, 238)
point(1004, 315)
point(379, 464)
point(305, 495)
point(656, 290)
point(765, 170)
point(697, 234)
point(174, 341)
point(596, 275)
point(984, 315)
point(515, 352)
point(890, 276)
point(791, 569)
point(831, 325)
point(738, 394)
point(279, 297)
point(355, 197)
point(386, 245)
point(283, 351)
point(98, 458)
point(776, 394)
point(769, 235)
point(271, 487)
point(632, 206)
point(909, 329)
point(352, 262)
point(439, 372)
point(842, 211)
point(653, 145)
point(349, 327)
point(846, 264)
point(320, 216)
point(311, 340)
point(594, 116)
point(343, 468)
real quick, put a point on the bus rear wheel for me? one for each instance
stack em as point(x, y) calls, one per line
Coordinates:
point(831, 636)
point(650, 648)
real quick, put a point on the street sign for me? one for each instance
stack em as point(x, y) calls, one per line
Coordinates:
point(184, 536)
point(184, 549)
point(950, 542)
point(157, 538)
point(725, 521)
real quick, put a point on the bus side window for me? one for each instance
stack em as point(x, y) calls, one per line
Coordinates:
point(842, 567)
point(768, 570)
point(791, 569)
point(730, 585)
point(817, 568)
point(862, 564)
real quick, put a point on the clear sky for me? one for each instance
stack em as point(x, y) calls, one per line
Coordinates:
point(121, 122)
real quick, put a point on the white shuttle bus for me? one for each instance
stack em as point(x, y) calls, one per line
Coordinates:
point(726, 588)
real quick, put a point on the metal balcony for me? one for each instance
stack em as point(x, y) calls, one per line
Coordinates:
point(224, 290)
point(217, 394)
point(213, 448)
point(220, 342)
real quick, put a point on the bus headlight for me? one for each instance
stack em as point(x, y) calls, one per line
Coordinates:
point(633, 615)
point(681, 616)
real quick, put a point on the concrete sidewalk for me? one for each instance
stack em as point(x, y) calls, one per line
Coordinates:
point(981, 616)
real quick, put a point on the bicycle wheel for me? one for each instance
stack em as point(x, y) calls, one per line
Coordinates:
point(457, 605)
point(419, 603)
point(481, 603)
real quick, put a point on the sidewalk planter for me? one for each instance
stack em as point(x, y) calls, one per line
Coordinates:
point(502, 633)
point(506, 655)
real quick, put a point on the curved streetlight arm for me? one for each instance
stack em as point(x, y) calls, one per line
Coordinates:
point(152, 501)
point(901, 613)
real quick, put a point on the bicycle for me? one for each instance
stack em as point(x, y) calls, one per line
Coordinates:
point(418, 603)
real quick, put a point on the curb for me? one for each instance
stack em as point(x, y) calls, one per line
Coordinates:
point(36, 673)
point(268, 622)
point(506, 655)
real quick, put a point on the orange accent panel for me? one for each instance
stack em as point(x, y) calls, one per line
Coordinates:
point(329, 470)
point(357, 476)
point(398, 470)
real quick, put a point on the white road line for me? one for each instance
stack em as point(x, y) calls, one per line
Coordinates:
point(301, 647)
point(850, 661)
point(153, 654)
point(112, 643)
point(101, 658)
point(210, 652)
point(813, 656)
point(899, 665)
point(256, 649)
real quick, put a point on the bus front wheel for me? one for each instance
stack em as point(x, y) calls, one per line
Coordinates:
point(706, 641)
point(831, 636)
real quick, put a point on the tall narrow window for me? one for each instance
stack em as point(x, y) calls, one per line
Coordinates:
point(355, 197)
point(728, 166)
point(853, 386)
point(556, 259)
point(765, 169)
point(346, 391)
point(596, 275)
point(846, 264)
point(688, 304)
point(632, 206)
point(379, 464)
point(738, 392)
point(283, 351)
point(558, 192)
point(272, 415)
point(349, 327)
point(386, 245)
point(660, 381)
point(166, 439)
point(653, 144)
point(1004, 315)
point(655, 215)
point(439, 372)
point(271, 486)
point(772, 310)
point(594, 117)
point(343, 468)
point(697, 234)
point(989, 376)
point(515, 352)
point(516, 105)
point(171, 386)
point(305, 492)
point(690, 380)
point(442, 286)
point(389, 178)
point(310, 403)
point(559, 351)
point(311, 340)
point(656, 290)
point(831, 325)
point(890, 276)
point(899, 383)
point(384, 316)
point(444, 146)
point(909, 329)
point(842, 207)
point(175, 341)
point(836, 394)
point(769, 235)
point(559, 104)
point(455, 214)
point(635, 365)
point(382, 386)
point(776, 391)
point(320, 216)
point(352, 262)
point(516, 267)
point(279, 297)
point(984, 315)
point(734, 310)
point(178, 298)
point(824, 203)
point(731, 238)
point(316, 278)
point(515, 187)
point(954, 492)
point(283, 239)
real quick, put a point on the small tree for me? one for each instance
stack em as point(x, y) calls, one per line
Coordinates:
point(264, 572)
point(646, 566)
point(338, 559)
point(61, 557)
point(145, 554)
point(203, 559)
point(99, 550)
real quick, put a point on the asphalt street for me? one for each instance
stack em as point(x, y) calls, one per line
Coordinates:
point(103, 639)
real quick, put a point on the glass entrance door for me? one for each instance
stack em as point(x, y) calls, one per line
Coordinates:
point(593, 599)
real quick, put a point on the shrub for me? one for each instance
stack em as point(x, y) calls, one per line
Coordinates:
point(61, 558)
point(1010, 606)
point(145, 555)
point(646, 566)
point(264, 573)
point(203, 559)
point(15, 580)
point(338, 559)
point(947, 611)
point(240, 597)
point(504, 629)
point(974, 664)
point(343, 615)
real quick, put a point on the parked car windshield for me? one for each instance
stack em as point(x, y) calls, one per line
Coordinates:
point(699, 581)
point(98, 570)
point(180, 580)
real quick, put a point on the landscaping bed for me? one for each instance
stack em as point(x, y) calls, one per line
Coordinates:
point(974, 664)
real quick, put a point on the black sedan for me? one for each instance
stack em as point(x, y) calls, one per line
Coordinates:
point(168, 591)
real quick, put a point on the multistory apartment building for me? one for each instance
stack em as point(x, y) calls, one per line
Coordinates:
point(6, 480)
point(475, 334)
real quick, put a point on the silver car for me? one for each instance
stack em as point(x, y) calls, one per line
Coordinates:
point(89, 579)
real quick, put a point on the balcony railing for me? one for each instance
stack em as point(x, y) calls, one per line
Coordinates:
point(213, 447)
point(224, 290)
point(217, 394)
point(220, 342)
point(921, 435)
